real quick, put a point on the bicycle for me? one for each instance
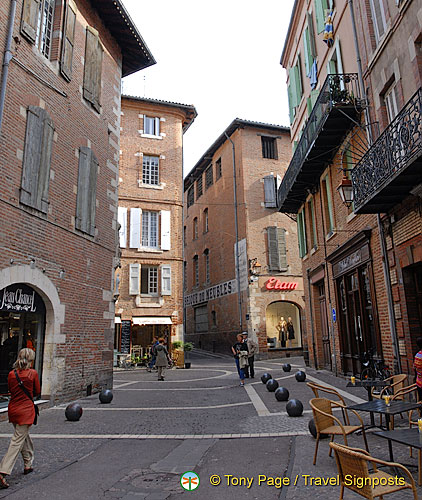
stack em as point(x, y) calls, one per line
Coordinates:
point(125, 362)
point(373, 369)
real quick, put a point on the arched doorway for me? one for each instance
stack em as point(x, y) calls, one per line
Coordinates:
point(22, 324)
point(283, 324)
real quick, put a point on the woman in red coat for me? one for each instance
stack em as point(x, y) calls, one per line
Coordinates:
point(21, 412)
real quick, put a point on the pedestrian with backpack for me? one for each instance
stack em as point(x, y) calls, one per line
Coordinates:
point(163, 359)
point(153, 353)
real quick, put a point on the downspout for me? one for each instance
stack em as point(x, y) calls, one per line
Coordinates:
point(385, 267)
point(239, 293)
point(311, 314)
point(7, 57)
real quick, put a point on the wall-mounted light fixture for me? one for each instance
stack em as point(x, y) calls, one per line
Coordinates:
point(254, 267)
point(345, 190)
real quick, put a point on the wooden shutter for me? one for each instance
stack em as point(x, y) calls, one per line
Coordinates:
point(134, 274)
point(273, 255)
point(298, 79)
point(307, 51)
point(270, 191)
point(92, 70)
point(320, 7)
point(293, 86)
point(87, 191)
point(165, 230)
point(166, 280)
point(291, 105)
point(311, 35)
point(135, 228)
point(68, 40)
point(301, 233)
point(37, 159)
point(282, 251)
point(122, 220)
point(29, 22)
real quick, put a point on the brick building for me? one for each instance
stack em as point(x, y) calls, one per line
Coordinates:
point(268, 271)
point(59, 154)
point(150, 300)
point(345, 248)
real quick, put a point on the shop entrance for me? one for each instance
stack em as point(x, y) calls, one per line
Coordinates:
point(22, 324)
point(283, 326)
point(412, 278)
point(323, 324)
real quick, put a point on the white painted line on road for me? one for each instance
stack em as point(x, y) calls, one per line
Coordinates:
point(127, 383)
point(345, 394)
point(225, 373)
point(259, 405)
point(229, 405)
point(183, 388)
point(164, 436)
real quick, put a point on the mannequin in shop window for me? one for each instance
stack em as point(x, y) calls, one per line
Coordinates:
point(282, 331)
point(29, 341)
point(290, 332)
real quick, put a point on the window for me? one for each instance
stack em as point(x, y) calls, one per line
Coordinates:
point(277, 257)
point(270, 191)
point(207, 265)
point(195, 228)
point(295, 88)
point(190, 196)
point(37, 159)
point(150, 229)
point(37, 23)
point(199, 187)
point(328, 204)
point(218, 172)
point(195, 271)
point(134, 279)
point(185, 276)
point(269, 147)
point(122, 220)
point(335, 64)
point(149, 280)
point(92, 69)
point(150, 170)
point(214, 318)
point(86, 201)
point(301, 233)
point(206, 220)
point(309, 45)
point(311, 217)
point(201, 319)
point(321, 7)
point(151, 126)
point(208, 177)
point(68, 42)
point(378, 18)
point(390, 99)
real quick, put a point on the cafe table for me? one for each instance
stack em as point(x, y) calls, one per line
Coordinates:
point(379, 406)
point(409, 437)
point(368, 384)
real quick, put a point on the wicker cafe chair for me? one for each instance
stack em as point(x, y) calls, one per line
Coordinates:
point(394, 389)
point(327, 423)
point(354, 462)
point(317, 388)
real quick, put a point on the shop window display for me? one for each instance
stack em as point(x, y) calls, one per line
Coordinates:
point(283, 326)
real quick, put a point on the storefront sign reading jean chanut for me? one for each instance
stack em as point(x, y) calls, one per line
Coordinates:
point(276, 284)
point(20, 298)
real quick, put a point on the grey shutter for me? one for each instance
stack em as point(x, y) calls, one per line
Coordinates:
point(92, 70)
point(68, 40)
point(29, 22)
point(270, 191)
point(311, 34)
point(273, 255)
point(87, 190)
point(37, 159)
point(282, 252)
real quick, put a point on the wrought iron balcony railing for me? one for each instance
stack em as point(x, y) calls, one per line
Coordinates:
point(397, 148)
point(339, 90)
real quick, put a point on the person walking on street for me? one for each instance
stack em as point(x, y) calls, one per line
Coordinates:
point(163, 359)
point(151, 364)
point(23, 385)
point(240, 353)
point(252, 350)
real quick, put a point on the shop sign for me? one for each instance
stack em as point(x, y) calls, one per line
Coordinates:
point(21, 298)
point(276, 284)
point(213, 292)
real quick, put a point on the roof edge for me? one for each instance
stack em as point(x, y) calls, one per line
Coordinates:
point(289, 31)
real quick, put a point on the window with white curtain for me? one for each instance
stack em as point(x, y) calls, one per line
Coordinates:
point(151, 125)
point(150, 229)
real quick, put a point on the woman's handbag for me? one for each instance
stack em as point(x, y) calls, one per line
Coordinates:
point(25, 390)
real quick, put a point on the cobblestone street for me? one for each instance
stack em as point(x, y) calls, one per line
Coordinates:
point(198, 420)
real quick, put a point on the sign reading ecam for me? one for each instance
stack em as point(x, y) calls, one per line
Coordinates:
point(276, 284)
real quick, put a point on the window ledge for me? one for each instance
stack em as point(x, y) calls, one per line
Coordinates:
point(305, 257)
point(151, 186)
point(150, 136)
point(314, 249)
point(351, 216)
point(149, 250)
point(330, 235)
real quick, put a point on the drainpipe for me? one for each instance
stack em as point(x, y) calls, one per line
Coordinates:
point(239, 293)
point(311, 314)
point(385, 267)
point(7, 57)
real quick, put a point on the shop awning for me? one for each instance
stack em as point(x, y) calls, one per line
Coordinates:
point(152, 320)
point(117, 319)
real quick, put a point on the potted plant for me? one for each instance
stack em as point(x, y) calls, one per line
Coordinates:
point(187, 347)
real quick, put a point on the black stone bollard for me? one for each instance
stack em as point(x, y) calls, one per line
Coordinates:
point(106, 396)
point(300, 376)
point(73, 412)
point(266, 377)
point(272, 385)
point(281, 394)
point(294, 408)
point(286, 367)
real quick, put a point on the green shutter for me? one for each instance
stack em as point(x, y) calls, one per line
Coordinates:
point(313, 221)
point(298, 79)
point(320, 7)
point(314, 96)
point(291, 105)
point(311, 35)
point(307, 51)
point(301, 233)
point(329, 202)
point(309, 105)
point(292, 82)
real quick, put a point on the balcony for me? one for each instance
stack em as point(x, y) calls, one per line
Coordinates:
point(391, 168)
point(335, 112)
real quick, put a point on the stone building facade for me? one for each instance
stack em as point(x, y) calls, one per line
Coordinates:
point(268, 271)
point(150, 279)
point(59, 157)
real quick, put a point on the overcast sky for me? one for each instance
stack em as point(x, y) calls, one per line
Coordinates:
point(221, 56)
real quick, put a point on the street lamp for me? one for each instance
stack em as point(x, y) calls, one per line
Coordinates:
point(346, 191)
point(254, 267)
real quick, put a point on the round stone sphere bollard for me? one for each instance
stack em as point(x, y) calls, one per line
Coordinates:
point(272, 385)
point(106, 396)
point(300, 376)
point(281, 394)
point(294, 408)
point(266, 377)
point(313, 431)
point(286, 367)
point(73, 412)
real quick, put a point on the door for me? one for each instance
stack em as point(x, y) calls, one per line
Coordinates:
point(325, 334)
